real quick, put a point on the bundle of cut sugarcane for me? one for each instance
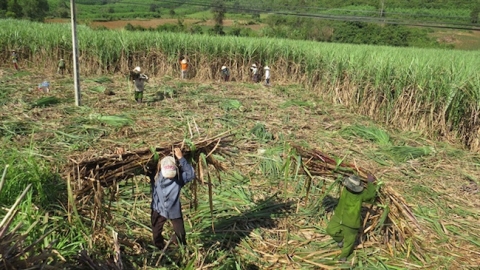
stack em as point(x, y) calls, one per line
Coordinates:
point(319, 163)
point(109, 169)
point(390, 222)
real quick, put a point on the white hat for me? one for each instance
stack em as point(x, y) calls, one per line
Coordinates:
point(353, 183)
point(266, 67)
point(224, 67)
point(254, 65)
point(137, 69)
point(184, 61)
point(168, 167)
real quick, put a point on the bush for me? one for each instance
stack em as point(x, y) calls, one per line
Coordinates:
point(196, 29)
point(168, 27)
point(10, 14)
point(129, 27)
point(63, 13)
point(241, 32)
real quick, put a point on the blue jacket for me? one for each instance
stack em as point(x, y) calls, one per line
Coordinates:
point(166, 192)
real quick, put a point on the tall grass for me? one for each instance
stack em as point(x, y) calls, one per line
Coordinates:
point(39, 217)
point(429, 90)
point(30, 168)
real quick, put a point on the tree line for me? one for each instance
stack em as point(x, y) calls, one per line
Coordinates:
point(38, 9)
point(35, 10)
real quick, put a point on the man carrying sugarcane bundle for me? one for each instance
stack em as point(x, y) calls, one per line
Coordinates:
point(345, 222)
point(138, 79)
point(166, 187)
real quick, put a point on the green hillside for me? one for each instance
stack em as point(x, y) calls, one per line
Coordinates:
point(431, 11)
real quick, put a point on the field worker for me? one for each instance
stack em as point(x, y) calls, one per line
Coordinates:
point(345, 222)
point(184, 67)
point(225, 72)
point(166, 198)
point(15, 59)
point(61, 66)
point(255, 73)
point(138, 79)
point(267, 76)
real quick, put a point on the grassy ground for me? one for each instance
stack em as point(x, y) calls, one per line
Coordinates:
point(262, 218)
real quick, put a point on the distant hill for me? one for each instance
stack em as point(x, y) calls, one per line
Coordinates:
point(448, 11)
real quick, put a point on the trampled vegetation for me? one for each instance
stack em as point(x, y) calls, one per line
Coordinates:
point(266, 213)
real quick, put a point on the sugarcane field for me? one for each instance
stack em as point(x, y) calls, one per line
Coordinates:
point(284, 154)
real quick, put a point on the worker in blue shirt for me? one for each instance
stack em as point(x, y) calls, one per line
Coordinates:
point(166, 205)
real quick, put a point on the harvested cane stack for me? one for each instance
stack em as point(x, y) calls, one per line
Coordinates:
point(391, 225)
point(90, 176)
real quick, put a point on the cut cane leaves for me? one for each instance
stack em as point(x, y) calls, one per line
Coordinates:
point(112, 120)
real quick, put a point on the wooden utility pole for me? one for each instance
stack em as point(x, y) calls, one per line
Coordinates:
point(76, 76)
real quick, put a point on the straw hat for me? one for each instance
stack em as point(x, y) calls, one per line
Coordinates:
point(266, 68)
point(168, 167)
point(137, 69)
point(224, 67)
point(353, 183)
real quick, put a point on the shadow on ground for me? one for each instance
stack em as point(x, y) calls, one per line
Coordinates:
point(227, 232)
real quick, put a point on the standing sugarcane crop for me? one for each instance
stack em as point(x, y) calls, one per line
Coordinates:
point(345, 222)
point(138, 80)
point(166, 187)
